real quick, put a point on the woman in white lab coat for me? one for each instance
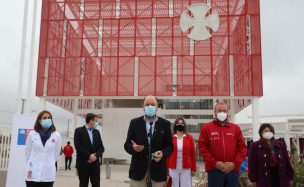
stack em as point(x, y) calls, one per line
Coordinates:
point(42, 150)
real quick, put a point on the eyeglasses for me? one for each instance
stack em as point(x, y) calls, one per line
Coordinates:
point(47, 117)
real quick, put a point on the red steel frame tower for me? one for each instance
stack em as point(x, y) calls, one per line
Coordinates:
point(126, 48)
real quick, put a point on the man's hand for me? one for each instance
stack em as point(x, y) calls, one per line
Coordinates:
point(136, 147)
point(254, 184)
point(290, 183)
point(229, 166)
point(89, 161)
point(93, 157)
point(192, 173)
point(158, 156)
point(220, 165)
point(29, 174)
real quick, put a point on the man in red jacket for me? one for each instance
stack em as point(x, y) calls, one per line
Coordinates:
point(68, 152)
point(223, 149)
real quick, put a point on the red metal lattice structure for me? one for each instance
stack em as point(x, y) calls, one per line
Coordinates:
point(93, 48)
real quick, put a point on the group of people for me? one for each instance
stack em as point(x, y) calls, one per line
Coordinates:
point(43, 148)
point(158, 154)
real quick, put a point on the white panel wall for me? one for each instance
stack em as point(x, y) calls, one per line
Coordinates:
point(115, 127)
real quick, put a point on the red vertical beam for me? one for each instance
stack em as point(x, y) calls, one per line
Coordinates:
point(81, 52)
point(152, 4)
point(44, 3)
point(99, 57)
point(155, 75)
point(261, 71)
point(193, 75)
point(134, 52)
point(135, 29)
point(228, 46)
point(250, 55)
point(64, 58)
point(117, 59)
point(47, 41)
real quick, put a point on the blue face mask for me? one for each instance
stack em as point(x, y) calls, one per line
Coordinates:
point(95, 125)
point(46, 123)
point(150, 111)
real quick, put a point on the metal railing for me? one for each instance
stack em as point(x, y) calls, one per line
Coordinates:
point(5, 142)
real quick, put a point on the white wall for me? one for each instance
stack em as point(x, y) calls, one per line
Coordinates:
point(115, 127)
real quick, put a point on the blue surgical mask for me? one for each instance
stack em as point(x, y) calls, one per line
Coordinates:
point(46, 123)
point(150, 111)
point(96, 124)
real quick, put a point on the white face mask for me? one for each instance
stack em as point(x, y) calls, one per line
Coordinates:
point(267, 135)
point(221, 116)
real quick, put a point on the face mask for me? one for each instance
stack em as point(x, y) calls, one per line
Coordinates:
point(180, 127)
point(96, 124)
point(221, 116)
point(46, 123)
point(150, 111)
point(267, 135)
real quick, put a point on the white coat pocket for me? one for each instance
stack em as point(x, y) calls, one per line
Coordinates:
point(35, 168)
point(49, 172)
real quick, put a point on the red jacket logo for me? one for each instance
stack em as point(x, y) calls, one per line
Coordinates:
point(215, 136)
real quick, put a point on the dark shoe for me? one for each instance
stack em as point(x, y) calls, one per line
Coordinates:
point(69, 168)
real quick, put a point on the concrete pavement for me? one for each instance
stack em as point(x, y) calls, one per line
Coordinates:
point(119, 177)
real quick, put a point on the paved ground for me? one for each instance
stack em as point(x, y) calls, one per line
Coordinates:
point(119, 177)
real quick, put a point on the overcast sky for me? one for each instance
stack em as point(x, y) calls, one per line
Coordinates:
point(282, 53)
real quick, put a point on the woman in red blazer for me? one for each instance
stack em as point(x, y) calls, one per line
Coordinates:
point(182, 161)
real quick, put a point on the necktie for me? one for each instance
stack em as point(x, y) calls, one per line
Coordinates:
point(150, 132)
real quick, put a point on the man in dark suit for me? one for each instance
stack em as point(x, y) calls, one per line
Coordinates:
point(142, 130)
point(89, 148)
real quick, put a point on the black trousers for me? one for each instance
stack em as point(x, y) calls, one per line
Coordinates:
point(68, 159)
point(90, 171)
point(38, 184)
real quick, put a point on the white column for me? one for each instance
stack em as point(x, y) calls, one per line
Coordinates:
point(136, 76)
point(32, 53)
point(231, 72)
point(298, 145)
point(74, 119)
point(117, 12)
point(45, 78)
point(191, 47)
point(255, 119)
point(232, 110)
point(42, 103)
point(82, 72)
point(153, 42)
point(81, 16)
point(100, 38)
point(287, 136)
point(174, 75)
point(22, 59)
point(170, 8)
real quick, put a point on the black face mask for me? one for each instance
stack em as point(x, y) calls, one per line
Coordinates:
point(180, 127)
